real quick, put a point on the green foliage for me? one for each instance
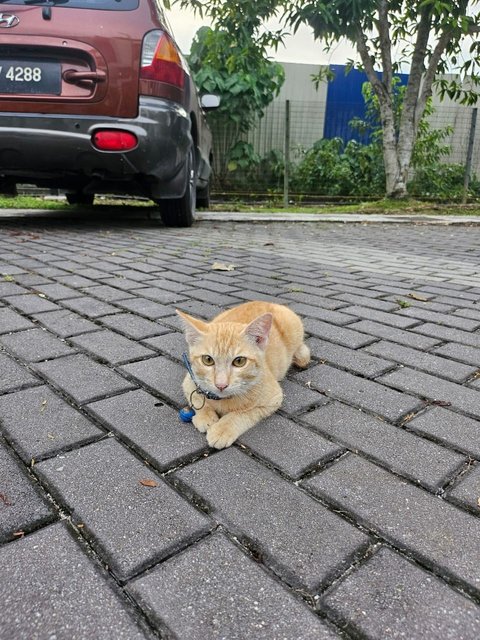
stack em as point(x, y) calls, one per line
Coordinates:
point(242, 156)
point(237, 69)
point(234, 66)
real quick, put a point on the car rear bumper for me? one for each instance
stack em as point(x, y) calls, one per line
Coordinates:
point(58, 150)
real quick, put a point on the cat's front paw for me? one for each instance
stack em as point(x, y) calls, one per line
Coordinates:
point(204, 419)
point(222, 435)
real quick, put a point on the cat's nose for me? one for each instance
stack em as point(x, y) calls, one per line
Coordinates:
point(221, 386)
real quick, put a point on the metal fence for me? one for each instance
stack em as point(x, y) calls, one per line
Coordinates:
point(289, 128)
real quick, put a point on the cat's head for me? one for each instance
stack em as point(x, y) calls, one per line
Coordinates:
point(227, 358)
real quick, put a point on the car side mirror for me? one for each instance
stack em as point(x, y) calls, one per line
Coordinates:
point(209, 101)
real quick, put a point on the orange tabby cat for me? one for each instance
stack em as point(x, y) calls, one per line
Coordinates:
point(238, 359)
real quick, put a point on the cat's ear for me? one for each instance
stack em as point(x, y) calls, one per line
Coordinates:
point(193, 328)
point(258, 330)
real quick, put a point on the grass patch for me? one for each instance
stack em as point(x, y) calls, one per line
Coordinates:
point(379, 207)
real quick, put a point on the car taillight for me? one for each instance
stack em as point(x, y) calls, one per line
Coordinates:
point(161, 60)
point(114, 140)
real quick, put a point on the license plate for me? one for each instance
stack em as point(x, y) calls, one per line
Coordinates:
point(30, 77)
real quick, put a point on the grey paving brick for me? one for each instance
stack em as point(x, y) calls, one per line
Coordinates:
point(400, 451)
point(144, 267)
point(325, 315)
point(13, 375)
point(38, 422)
point(461, 352)
point(428, 305)
point(362, 393)
point(74, 280)
point(275, 438)
point(65, 323)
point(90, 307)
point(394, 335)
point(455, 291)
point(391, 597)
point(11, 289)
point(82, 379)
point(452, 335)
point(192, 595)
point(441, 535)
point(128, 279)
point(354, 360)
point(339, 335)
point(131, 525)
point(473, 314)
point(358, 291)
point(249, 294)
point(441, 318)
point(313, 300)
point(22, 505)
point(392, 319)
point(298, 397)
point(50, 589)
point(111, 347)
point(467, 491)
point(10, 320)
point(420, 360)
point(107, 293)
point(199, 283)
point(35, 345)
point(370, 303)
point(160, 295)
point(148, 308)
point(160, 375)
point(451, 428)
point(57, 291)
point(423, 384)
point(200, 309)
point(152, 428)
point(31, 279)
point(171, 343)
point(133, 326)
point(253, 501)
point(31, 303)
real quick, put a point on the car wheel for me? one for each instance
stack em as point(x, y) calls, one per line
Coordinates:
point(180, 212)
point(203, 197)
point(80, 198)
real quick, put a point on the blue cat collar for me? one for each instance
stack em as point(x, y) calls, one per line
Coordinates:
point(207, 394)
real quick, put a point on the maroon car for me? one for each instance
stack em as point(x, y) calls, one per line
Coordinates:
point(95, 97)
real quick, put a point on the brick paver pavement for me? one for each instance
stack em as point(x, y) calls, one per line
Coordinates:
point(351, 513)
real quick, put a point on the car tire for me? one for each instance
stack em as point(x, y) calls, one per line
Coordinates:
point(78, 197)
point(203, 197)
point(180, 212)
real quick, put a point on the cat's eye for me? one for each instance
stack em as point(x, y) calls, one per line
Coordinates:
point(240, 361)
point(208, 361)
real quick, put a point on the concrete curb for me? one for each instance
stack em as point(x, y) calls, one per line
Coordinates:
point(231, 216)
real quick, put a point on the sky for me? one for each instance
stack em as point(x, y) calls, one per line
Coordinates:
point(300, 47)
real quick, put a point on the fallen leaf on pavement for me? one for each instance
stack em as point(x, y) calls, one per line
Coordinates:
point(5, 500)
point(416, 296)
point(149, 483)
point(221, 266)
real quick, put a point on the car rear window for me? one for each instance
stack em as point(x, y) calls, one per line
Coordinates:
point(105, 5)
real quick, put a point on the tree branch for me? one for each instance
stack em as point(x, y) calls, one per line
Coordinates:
point(383, 27)
point(429, 76)
point(362, 48)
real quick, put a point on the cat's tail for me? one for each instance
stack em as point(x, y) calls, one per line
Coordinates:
point(301, 357)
